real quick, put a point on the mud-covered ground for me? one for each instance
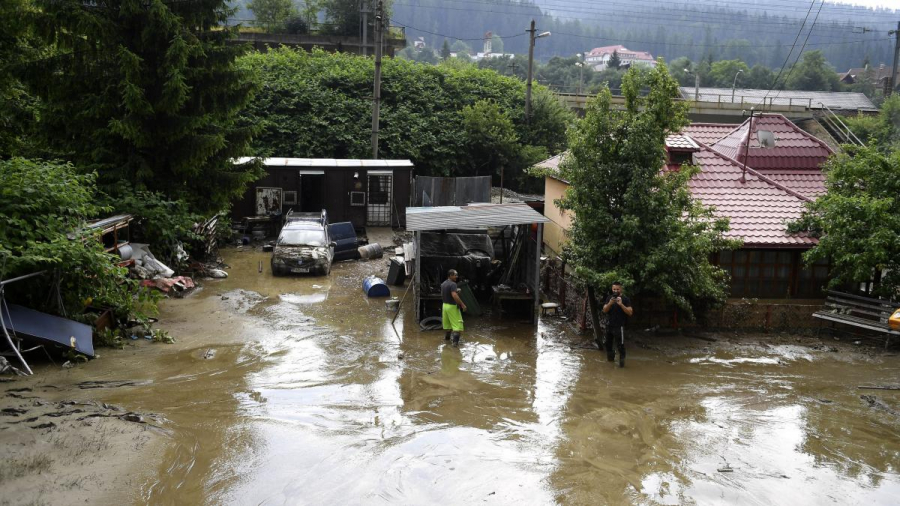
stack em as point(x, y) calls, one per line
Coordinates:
point(299, 391)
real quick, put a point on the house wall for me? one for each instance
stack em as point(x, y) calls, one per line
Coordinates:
point(560, 222)
point(334, 196)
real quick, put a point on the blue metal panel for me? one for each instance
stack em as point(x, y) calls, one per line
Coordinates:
point(49, 329)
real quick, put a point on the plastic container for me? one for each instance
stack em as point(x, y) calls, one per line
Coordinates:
point(894, 320)
point(374, 287)
point(371, 251)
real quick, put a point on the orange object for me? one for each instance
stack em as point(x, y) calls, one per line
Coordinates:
point(894, 321)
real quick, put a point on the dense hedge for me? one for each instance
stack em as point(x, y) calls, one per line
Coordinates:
point(318, 105)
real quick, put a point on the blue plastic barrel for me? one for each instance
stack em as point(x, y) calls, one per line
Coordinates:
point(375, 287)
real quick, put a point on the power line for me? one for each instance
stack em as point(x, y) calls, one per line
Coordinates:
point(698, 15)
point(506, 37)
point(800, 53)
point(637, 16)
point(788, 57)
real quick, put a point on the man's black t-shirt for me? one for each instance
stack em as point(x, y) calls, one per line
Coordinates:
point(447, 289)
point(617, 317)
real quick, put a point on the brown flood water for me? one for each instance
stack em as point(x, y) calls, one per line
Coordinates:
point(305, 401)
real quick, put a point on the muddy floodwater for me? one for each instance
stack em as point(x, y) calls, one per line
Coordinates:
point(298, 390)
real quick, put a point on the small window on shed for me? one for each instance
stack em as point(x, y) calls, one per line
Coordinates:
point(357, 198)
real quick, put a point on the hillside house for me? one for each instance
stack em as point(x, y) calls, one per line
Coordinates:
point(598, 58)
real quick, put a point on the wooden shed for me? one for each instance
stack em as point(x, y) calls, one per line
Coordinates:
point(364, 192)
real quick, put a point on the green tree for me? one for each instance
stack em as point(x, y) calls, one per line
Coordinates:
point(722, 73)
point(496, 44)
point(632, 221)
point(882, 131)
point(445, 50)
point(460, 46)
point(44, 207)
point(310, 11)
point(146, 92)
point(344, 17)
point(858, 219)
point(680, 68)
point(812, 73)
point(272, 14)
point(420, 111)
point(491, 142)
point(614, 61)
point(760, 77)
point(18, 45)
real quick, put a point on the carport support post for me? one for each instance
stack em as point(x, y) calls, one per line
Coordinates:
point(417, 275)
point(537, 273)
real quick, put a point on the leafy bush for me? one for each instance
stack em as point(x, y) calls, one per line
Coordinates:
point(317, 104)
point(44, 206)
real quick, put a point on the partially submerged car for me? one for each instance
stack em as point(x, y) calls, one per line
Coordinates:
point(303, 247)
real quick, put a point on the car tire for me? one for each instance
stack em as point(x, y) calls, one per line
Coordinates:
point(326, 270)
point(275, 270)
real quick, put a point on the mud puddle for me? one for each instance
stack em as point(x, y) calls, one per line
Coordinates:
point(299, 391)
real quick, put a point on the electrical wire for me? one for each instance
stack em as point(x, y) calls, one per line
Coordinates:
point(788, 58)
point(800, 53)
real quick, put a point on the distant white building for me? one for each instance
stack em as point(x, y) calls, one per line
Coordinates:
point(487, 52)
point(598, 58)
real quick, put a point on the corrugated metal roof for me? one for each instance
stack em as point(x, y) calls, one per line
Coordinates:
point(708, 133)
point(758, 210)
point(836, 100)
point(324, 163)
point(471, 216)
point(794, 148)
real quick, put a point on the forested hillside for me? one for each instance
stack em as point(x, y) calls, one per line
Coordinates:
point(846, 35)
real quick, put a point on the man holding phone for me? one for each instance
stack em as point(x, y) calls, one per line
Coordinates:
point(618, 307)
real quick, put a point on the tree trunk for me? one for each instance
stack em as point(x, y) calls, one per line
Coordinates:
point(595, 315)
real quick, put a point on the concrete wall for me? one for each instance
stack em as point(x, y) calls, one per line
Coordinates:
point(554, 232)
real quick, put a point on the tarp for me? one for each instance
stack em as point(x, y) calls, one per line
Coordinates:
point(48, 328)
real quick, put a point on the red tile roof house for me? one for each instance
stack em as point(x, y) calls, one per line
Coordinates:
point(760, 189)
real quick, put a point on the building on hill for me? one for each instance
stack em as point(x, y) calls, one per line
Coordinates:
point(598, 58)
point(759, 187)
point(877, 76)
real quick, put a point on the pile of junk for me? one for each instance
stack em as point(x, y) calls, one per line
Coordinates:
point(24, 329)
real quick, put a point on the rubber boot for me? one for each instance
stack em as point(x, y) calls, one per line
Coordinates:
point(447, 335)
point(455, 339)
point(622, 356)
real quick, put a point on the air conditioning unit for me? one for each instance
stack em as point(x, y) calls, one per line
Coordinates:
point(357, 198)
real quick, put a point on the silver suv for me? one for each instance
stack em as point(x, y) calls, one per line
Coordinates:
point(303, 246)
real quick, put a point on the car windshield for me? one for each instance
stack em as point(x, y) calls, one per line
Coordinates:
point(301, 237)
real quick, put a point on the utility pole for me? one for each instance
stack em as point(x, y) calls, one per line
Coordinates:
point(514, 66)
point(365, 8)
point(531, 38)
point(896, 34)
point(530, 65)
point(376, 96)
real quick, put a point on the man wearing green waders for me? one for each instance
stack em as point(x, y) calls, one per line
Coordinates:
point(451, 311)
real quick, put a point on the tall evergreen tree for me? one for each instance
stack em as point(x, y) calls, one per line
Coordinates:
point(614, 61)
point(445, 50)
point(146, 92)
